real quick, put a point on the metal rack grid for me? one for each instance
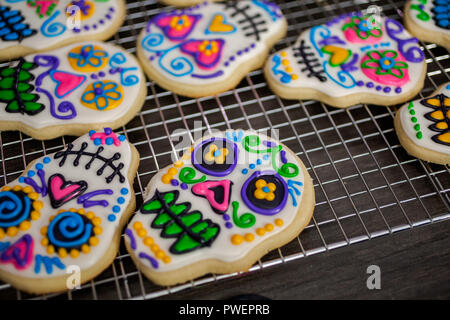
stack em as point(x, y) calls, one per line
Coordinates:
point(366, 185)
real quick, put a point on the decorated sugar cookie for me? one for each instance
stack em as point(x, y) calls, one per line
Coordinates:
point(422, 126)
point(230, 199)
point(354, 58)
point(66, 213)
point(71, 90)
point(28, 26)
point(209, 48)
point(429, 20)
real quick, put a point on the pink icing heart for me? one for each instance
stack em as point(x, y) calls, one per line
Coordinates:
point(205, 189)
point(61, 191)
point(66, 82)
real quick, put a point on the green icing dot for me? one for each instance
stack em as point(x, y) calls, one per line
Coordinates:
point(412, 112)
point(414, 119)
point(419, 135)
point(417, 127)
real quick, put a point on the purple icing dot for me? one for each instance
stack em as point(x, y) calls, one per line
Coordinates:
point(101, 21)
point(232, 58)
point(369, 84)
point(184, 186)
point(246, 50)
point(107, 16)
point(111, 9)
point(226, 64)
point(252, 45)
point(229, 225)
point(158, 53)
point(76, 30)
point(226, 217)
point(93, 76)
point(152, 58)
point(174, 182)
point(112, 71)
point(108, 131)
point(98, 91)
point(94, 26)
point(398, 90)
point(360, 83)
point(387, 89)
point(101, 74)
point(86, 28)
point(239, 52)
point(378, 88)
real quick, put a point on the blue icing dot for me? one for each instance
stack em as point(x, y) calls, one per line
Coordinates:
point(97, 141)
point(124, 191)
point(266, 156)
point(46, 160)
point(91, 132)
point(109, 141)
point(258, 161)
point(121, 137)
point(116, 209)
point(244, 171)
point(265, 189)
point(120, 200)
point(252, 166)
point(39, 166)
point(111, 217)
point(31, 173)
point(21, 179)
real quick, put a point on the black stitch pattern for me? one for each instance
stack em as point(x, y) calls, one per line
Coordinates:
point(107, 162)
point(312, 64)
point(254, 25)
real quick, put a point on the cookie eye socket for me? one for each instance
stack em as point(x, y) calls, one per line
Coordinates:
point(265, 192)
point(216, 157)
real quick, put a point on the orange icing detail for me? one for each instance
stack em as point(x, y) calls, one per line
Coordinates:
point(218, 25)
point(445, 137)
point(87, 67)
point(103, 103)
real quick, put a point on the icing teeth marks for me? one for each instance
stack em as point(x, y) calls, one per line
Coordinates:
point(19, 207)
point(205, 45)
point(71, 232)
point(224, 213)
point(350, 58)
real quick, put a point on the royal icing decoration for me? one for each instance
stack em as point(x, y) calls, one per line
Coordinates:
point(65, 209)
point(226, 195)
point(40, 24)
point(353, 53)
point(427, 121)
point(207, 43)
point(83, 83)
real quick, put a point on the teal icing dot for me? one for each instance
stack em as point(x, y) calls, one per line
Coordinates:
point(244, 171)
point(97, 141)
point(121, 137)
point(39, 166)
point(46, 160)
point(120, 200)
point(252, 166)
point(21, 179)
point(258, 161)
point(111, 217)
point(124, 191)
point(116, 209)
point(109, 141)
point(31, 173)
point(266, 189)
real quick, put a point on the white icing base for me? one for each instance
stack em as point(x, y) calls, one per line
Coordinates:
point(430, 24)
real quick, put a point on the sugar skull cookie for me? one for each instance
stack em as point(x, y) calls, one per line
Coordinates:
point(65, 213)
point(233, 197)
point(209, 48)
point(354, 58)
point(429, 20)
point(184, 3)
point(29, 26)
point(71, 90)
point(422, 126)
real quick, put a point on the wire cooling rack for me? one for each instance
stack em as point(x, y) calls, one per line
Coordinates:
point(366, 185)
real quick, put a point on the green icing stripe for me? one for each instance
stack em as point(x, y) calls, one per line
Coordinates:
point(413, 119)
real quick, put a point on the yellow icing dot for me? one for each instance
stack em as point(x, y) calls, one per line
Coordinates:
point(268, 227)
point(142, 232)
point(93, 241)
point(17, 188)
point(74, 253)
point(73, 210)
point(294, 76)
point(260, 232)
point(154, 247)
point(2, 233)
point(283, 53)
point(166, 259)
point(96, 221)
point(12, 231)
point(166, 178)
point(27, 189)
point(6, 188)
point(178, 164)
point(279, 222)
point(148, 241)
point(249, 237)
point(285, 62)
point(33, 195)
point(97, 230)
point(25, 225)
point(44, 242)
point(172, 171)
point(35, 215)
point(160, 254)
point(38, 205)
point(85, 248)
point(137, 225)
point(237, 239)
point(50, 249)
point(81, 211)
point(44, 231)
point(288, 69)
point(62, 252)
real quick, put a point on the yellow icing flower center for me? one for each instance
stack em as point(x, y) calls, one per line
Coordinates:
point(265, 190)
point(180, 22)
point(208, 47)
point(215, 154)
